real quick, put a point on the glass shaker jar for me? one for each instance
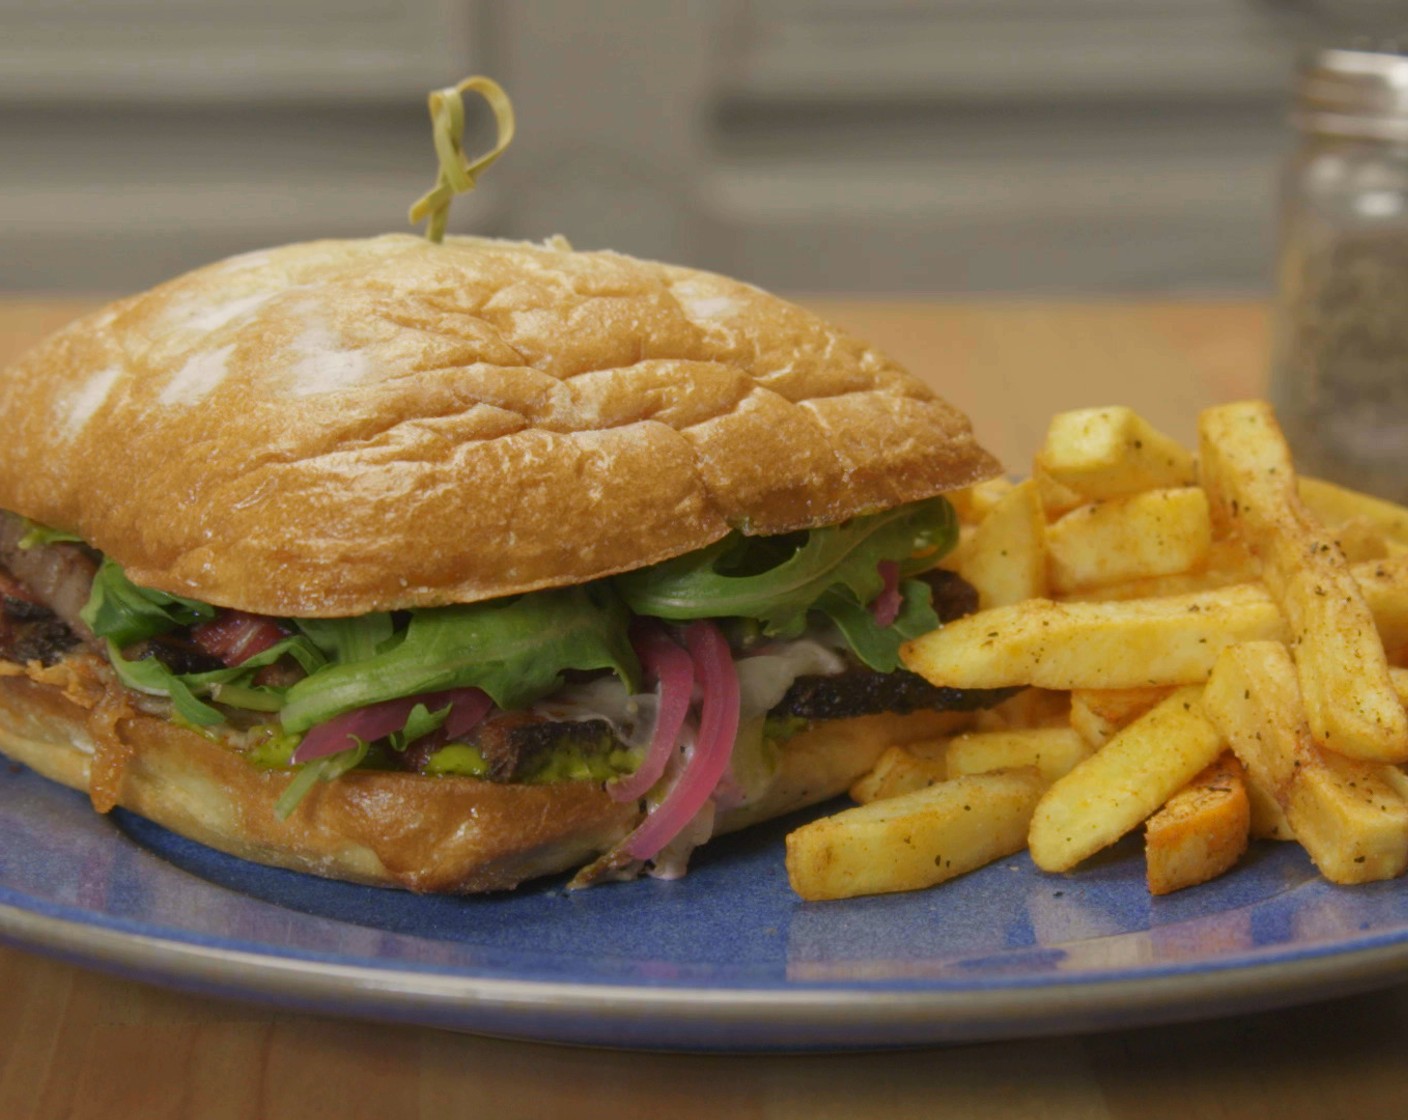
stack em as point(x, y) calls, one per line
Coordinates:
point(1340, 370)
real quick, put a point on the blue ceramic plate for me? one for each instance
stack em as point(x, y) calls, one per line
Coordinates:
point(725, 959)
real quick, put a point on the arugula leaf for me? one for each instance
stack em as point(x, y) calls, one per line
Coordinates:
point(515, 649)
point(118, 609)
point(839, 557)
point(231, 684)
point(879, 646)
point(421, 722)
point(324, 769)
point(152, 677)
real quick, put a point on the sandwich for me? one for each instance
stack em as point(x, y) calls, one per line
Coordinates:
point(449, 566)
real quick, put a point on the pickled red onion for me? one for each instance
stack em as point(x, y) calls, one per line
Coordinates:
point(886, 606)
point(376, 721)
point(672, 666)
point(718, 728)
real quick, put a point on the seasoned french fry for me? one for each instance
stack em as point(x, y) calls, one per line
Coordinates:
point(1104, 644)
point(1398, 677)
point(916, 840)
point(1348, 814)
point(1054, 751)
point(1384, 585)
point(1360, 540)
point(1032, 707)
point(1268, 818)
point(974, 503)
point(898, 770)
point(1333, 506)
point(1227, 564)
point(1129, 644)
point(1098, 714)
point(1117, 788)
point(1054, 498)
point(1111, 452)
point(1155, 533)
point(1006, 557)
point(1201, 831)
point(1246, 468)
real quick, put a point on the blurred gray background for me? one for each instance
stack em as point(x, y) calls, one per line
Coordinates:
point(871, 146)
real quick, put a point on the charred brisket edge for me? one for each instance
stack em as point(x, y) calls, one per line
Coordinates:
point(865, 692)
point(58, 575)
point(30, 631)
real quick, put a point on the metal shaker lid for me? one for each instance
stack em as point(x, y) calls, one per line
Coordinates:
point(1354, 93)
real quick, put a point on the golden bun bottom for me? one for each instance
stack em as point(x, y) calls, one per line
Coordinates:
point(448, 834)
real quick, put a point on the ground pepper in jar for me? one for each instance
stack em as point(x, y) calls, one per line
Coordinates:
point(1340, 373)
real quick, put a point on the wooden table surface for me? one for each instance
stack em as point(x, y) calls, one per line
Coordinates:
point(79, 1045)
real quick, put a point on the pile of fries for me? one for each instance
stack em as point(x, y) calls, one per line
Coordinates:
point(1209, 646)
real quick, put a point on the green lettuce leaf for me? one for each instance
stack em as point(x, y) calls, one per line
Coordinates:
point(118, 609)
point(515, 649)
point(349, 639)
point(746, 577)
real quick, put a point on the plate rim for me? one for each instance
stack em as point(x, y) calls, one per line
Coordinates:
point(543, 1010)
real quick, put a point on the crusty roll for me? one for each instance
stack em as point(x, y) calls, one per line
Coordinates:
point(337, 427)
point(397, 829)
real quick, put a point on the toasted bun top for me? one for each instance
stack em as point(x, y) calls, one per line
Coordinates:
point(343, 426)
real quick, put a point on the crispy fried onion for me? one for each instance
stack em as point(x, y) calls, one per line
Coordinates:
point(90, 683)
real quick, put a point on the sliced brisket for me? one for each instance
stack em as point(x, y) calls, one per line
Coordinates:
point(58, 576)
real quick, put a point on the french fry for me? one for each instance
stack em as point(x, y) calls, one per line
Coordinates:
point(1347, 814)
point(1101, 644)
point(1343, 671)
point(1112, 452)
point(1154, 533)
point(973, 503)
point(1155, 587)
point(1384, 585)
point(1359, 540)
point(1398, 677)
point(1334, 506)
point(1006, 557)
point(1129, 644)
point(1227, 564)
point(898, 770)
point(1268, 821)
point(1032, 707)
point(1201, 831)
point(1117, 788)
point(1054, 751)
point(1339, 657)
point(1098, 714)
point(1054, 498)
point(916, 840)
